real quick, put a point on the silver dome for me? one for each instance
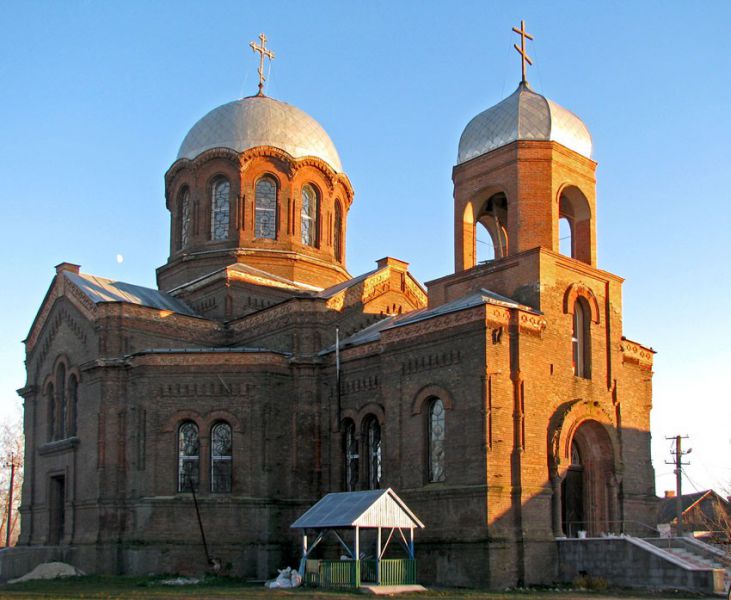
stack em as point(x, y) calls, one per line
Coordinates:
point(260, 121)
point(524, 115)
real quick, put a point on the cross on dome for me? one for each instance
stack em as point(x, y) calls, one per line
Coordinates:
point(263, 52)
point(524, 58)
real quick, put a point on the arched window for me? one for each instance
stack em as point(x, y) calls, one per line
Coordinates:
point(265, 219)
point(220, 208)
point(374, 453)
point(51, 400)
point(61, 401)
point(310, 216)
point(350, 452)
point(436, 441)
point(72, 402)
point(580, 339)
point(185, 218)
point(338, 233)
point(221, 454)
point(188, 456)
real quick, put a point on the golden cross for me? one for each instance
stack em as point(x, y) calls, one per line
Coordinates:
point(263, 51)
point(524, 58)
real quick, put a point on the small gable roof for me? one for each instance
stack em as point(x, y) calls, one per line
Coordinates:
point(100, 289)
point(668, 506)
point(370, 509)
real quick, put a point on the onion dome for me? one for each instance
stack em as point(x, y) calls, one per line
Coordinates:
point(524, 115)
point(260, 121)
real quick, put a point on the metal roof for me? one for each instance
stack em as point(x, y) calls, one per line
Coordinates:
point(481, 296)
point(524, 115)
point(99, 289)
point(372, 508)
point(372, 333)
point(260, 121)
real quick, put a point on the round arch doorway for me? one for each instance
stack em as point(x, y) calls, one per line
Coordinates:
point(589, 488)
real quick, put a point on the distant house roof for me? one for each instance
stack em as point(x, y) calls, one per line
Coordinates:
point(99, 289)
point(372, 508)
point(666, 512)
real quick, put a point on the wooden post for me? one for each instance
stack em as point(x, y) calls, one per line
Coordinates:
point(411, 542)
point(378, 558)
point(303, 562)
point(356, 581)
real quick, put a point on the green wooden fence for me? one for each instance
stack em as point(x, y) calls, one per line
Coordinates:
point(350, 573)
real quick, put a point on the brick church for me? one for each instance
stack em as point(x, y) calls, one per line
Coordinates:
point(501, 401)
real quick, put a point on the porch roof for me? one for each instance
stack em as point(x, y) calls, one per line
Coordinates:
point(368, 509)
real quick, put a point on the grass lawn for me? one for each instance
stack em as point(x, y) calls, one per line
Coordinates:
point(146, 587)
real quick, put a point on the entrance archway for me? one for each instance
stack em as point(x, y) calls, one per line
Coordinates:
point(589, 489)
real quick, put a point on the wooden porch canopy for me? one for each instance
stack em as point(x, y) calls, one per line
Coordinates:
point(373, 509)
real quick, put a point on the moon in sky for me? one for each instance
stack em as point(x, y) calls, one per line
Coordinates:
point(120, 259)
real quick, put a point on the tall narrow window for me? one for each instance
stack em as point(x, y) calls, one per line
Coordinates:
point(220, 209)
point(51, 399)
point(337, 234)
point(265, 219)
point(436, 441)
point(188, 457)
point(375, 453)
point(72, 402)
point(350, 450)
point(221, 454)
point(309, 217)
point(580, 341)
point(185, 218)
point(62, 407)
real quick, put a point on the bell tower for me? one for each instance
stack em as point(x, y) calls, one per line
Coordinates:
point(520, 190)
point(524, 183)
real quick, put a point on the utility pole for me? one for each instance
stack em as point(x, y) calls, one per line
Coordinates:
point(10, 501)
point(678, 453)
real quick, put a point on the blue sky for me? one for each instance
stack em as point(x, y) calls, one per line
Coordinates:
point(96, 98)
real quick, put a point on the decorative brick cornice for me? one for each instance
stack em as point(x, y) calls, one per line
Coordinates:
point(414, 292)
point(530, 323)
point(635, 353)
point(58, 446)
point(496, 316)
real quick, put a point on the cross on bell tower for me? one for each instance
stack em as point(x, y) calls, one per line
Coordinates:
point(263, 52)
point(524, 58)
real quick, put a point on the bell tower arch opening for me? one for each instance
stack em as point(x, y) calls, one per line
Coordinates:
point(574, 225)
point(493, 218)
point(588, 490)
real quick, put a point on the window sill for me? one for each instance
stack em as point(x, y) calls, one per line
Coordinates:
point(59, 446)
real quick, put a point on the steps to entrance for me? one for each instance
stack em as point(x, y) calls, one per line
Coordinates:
point(646, 563)
point(696, 553)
